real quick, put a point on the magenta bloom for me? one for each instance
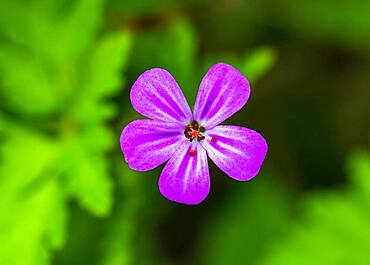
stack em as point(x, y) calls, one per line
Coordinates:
point(174, 133)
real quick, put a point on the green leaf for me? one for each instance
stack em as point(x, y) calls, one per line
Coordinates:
point(88, 178)
point(107, 63)
point(28, 233)
point(32, 207)
point(26, 82)
point(102, 78)
point(77, 31)
point(252, 65)
point(41, 53)
point(51, 29)
point(87, 167)
point(257, 63)
point(25, 154)
point(359, 165)
point(56, 74)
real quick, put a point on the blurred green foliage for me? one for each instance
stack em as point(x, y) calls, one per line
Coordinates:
point(68, 198)
point(58, 75)
point(332, 224)
point(247, 216)
point(342, 21)
point(256, 64)
point(320, 228)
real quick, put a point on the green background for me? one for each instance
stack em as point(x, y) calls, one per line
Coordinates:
point(66, 194)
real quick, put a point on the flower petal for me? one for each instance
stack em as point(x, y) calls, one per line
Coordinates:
point(222, 92)
point(185, 178)
point(237, 151)
point(156, 95)
point(147, 144)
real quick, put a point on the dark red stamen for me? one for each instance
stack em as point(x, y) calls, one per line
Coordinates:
point(194, 131)
point(213, 139)
point(192, 152)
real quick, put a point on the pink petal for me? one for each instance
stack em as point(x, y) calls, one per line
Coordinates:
point(147, 144)
point(185, 178)
point(156, 95)
point(237, 151)
point(222, 92)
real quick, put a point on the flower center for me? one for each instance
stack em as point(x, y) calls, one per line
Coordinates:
point(194, 130)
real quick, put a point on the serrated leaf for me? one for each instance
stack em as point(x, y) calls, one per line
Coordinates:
point(57, 219)
point(86, 166)
point(107, 62)
point(102, 78)
point(88, 179)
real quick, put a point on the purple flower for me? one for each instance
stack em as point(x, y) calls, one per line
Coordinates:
point(174, 133)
